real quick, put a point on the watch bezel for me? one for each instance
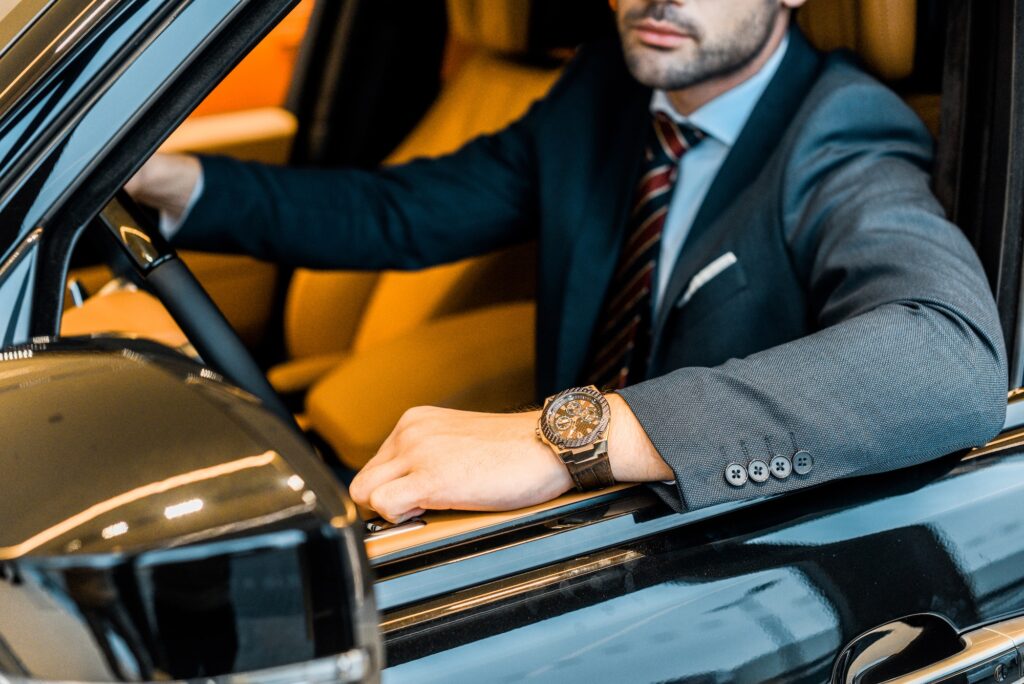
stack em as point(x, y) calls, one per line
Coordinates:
point(552, 435)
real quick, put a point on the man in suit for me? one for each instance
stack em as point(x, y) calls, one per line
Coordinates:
point(736, 233)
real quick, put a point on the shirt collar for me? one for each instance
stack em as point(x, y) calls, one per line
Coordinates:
point(725, 116)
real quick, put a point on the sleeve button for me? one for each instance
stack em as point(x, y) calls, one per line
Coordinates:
point(735, 474)
point(781, 467)
point(802, 462)
point(758, 471)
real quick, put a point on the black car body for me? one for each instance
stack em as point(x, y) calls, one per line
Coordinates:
point(157, 522)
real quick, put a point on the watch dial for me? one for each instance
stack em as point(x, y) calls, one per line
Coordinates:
point(575, 418)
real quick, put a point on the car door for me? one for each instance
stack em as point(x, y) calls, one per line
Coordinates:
point(925, 564)
point(246, 117)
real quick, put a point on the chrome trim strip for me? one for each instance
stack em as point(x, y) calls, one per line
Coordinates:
point(1014, 409)
point(981, 648)
point(1012, 629)
point(1005, 441)
point(378, 529)
point(19, 252)
point(19, 20)
point(44, 60)
point(504, 527)
point(500, 590)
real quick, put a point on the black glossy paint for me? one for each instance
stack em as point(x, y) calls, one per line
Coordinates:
point(767, 591)
point(159, 523)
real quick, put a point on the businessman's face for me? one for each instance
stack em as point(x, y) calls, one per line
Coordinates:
point(674, 44)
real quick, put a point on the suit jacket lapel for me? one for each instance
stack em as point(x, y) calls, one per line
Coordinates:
point(594, 251)
point(755, 144)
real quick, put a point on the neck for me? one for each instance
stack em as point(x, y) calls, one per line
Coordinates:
point(688, 100)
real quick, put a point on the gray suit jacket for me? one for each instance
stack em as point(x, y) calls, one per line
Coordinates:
point(842, 315)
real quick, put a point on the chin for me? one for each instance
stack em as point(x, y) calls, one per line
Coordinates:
point(654, 77)
point(656, 69)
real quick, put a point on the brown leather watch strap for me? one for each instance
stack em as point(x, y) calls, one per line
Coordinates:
point(591, 469)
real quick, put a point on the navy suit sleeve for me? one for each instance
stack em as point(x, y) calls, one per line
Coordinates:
point(419, 214)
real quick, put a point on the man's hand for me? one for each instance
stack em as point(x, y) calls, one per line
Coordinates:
point(445, 459)
point(166, 183)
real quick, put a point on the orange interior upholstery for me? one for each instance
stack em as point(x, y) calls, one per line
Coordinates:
point(500, 27)
point(243, 117)
point(263, 77)
point(480, 360)
point(459, 335)
point(882, 32)
point(127, 312)
point(330, 313)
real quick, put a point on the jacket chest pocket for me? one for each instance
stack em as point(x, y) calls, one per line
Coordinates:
point(711, 289)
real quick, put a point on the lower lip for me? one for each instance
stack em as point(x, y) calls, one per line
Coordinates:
point(661, 40)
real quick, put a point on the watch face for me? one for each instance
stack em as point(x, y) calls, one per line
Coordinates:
point(575, 418)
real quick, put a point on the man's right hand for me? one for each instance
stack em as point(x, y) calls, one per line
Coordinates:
point(166, 183)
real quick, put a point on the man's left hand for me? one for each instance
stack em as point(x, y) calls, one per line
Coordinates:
point(441, 458)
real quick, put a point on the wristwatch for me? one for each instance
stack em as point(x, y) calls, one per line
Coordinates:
point(574, 423)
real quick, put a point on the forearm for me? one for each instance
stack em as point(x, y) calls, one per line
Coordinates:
point(895, 386)
point(411, 216)
point(631, 453)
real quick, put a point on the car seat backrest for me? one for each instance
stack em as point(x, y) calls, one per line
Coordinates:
point(495, 80)
point(500, 27)
point(883, 33)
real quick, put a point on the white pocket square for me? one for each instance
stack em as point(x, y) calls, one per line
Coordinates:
point(705, 275)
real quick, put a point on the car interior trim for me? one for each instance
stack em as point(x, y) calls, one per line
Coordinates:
point(137, 245)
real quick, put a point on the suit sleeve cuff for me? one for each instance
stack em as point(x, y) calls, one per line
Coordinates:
point(669, 491)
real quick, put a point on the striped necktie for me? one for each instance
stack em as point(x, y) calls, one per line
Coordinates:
point(622, 336)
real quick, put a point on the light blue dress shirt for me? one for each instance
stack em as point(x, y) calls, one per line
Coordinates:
point(721, 119)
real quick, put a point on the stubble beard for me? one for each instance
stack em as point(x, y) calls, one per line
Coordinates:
point(712, 60)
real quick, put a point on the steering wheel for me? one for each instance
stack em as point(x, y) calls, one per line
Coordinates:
point(152, 263)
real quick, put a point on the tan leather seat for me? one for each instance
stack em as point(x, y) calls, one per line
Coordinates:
point(459, 335)
point(480, 360)
point(882, 32)
point(331, 314)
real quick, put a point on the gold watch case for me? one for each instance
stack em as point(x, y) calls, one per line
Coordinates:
point(575, 418)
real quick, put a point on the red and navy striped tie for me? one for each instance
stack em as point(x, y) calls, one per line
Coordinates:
point(622, 336)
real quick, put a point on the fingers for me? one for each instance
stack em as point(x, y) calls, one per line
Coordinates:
point(372, 476)
point(400, 499)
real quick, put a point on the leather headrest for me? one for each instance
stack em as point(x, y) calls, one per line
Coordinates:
point(882, 32)
point(527, 27)
point(500, 25)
